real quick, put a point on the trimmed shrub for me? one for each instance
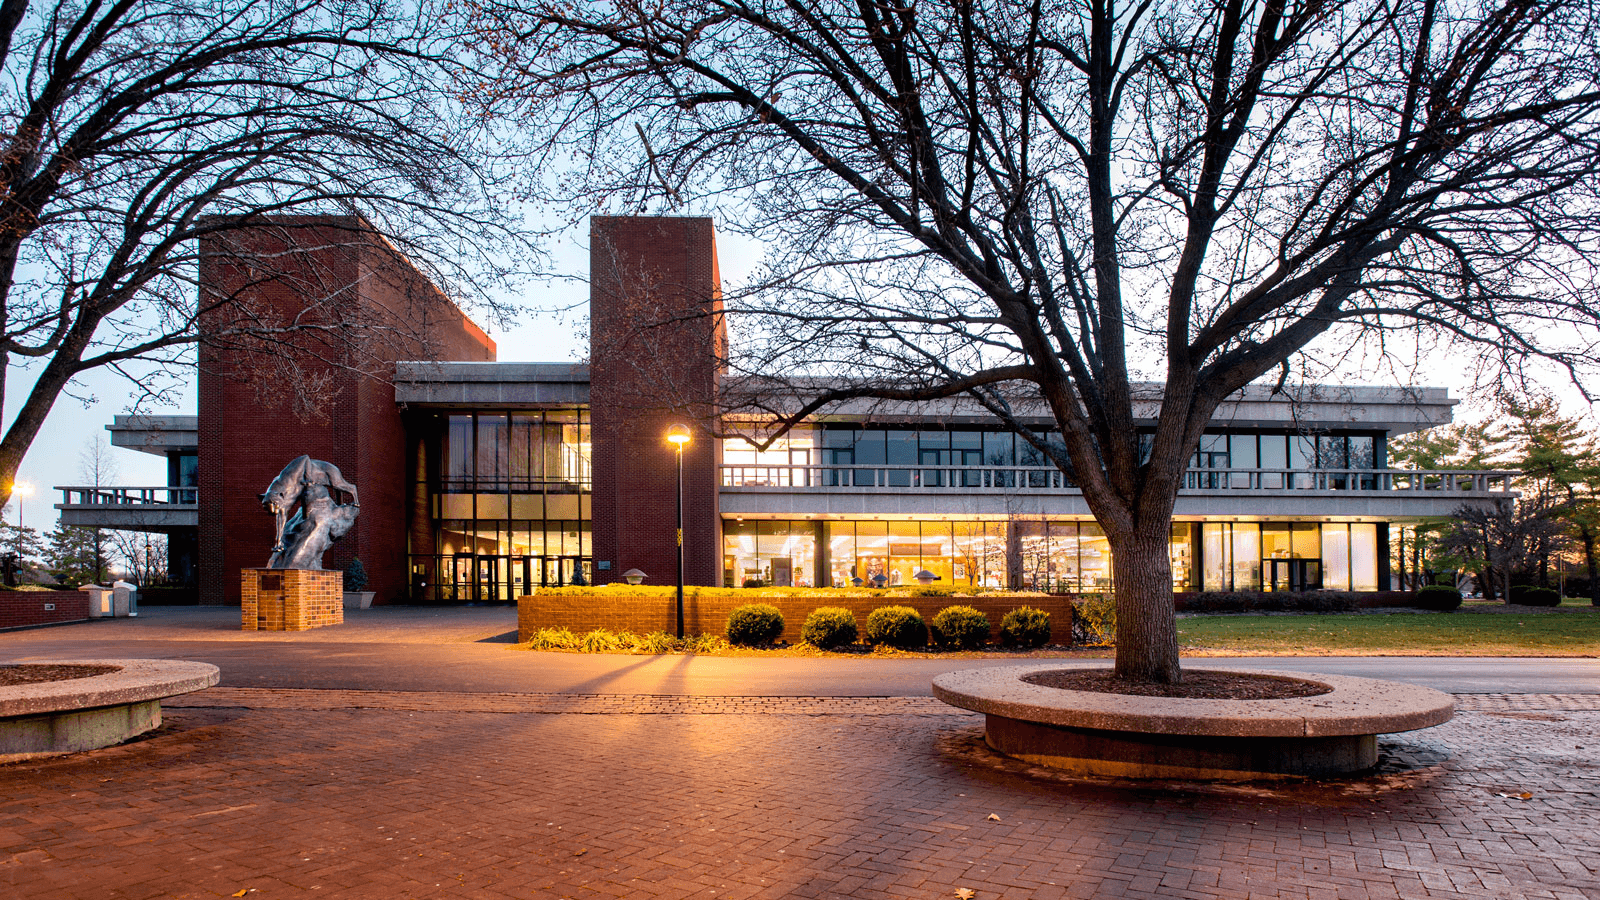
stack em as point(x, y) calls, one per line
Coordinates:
point(754, 624)
point(1026, 628)
point(1527, 595)
point(897, 626)
point(1273, 601)
point(828, 627)
point(1438, 597)
point(959, 628)
point(355, 576)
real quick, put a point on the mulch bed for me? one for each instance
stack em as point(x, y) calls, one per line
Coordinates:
point(36, 673)
point(1207, 685)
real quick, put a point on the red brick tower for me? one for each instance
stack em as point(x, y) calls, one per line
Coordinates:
point(657, 343)
point(368, 307)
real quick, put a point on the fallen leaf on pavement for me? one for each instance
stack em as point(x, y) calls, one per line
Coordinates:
point(965, 893)
point(581, 852)
point(993, 818)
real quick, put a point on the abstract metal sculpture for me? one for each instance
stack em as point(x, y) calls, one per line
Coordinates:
point(308, 498)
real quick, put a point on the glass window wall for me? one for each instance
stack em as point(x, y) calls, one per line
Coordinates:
point(1251, 556)
point(509, 495)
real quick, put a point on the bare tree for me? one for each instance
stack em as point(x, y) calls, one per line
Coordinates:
point(98, 468)
point(1037, 204)
point(133, 131)
point(142, 556)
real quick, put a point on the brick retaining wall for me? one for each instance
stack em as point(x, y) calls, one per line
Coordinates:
point(21, 609)
point(709, 615)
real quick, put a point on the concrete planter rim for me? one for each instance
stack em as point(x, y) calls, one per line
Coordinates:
point(135, 681)
point(1355, 706)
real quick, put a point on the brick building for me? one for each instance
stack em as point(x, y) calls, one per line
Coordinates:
point(332, 277)
point(482, 480)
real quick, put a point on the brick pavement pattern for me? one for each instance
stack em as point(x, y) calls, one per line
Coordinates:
point(389, 794)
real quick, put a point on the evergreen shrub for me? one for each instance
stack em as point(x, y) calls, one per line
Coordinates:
point(897, 626)
point(1025, 627)
point(828, 627)
point(1440, 597)
point(1527, 595)
point(959, 628)
point(355, 576)
point(754, 624)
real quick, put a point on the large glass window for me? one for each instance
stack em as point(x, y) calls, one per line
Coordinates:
point(1246, 556)
point(1214, 547)
point(780, 465)
point(1336, 557)
point(1363, 556)
point(509, 494)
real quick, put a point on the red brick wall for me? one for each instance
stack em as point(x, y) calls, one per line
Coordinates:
point(300, 601)
point(709, 615)
point(334, 273)
point(656, 344)
point(19, 609)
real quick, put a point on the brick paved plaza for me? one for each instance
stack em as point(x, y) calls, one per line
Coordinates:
point(412, 753)
point(409, 794)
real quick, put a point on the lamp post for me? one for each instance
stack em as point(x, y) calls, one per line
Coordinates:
point(22, 491)
point(678, 436)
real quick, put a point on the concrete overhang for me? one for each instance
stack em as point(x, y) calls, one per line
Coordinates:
point(1395, 410)
point(491, 385)
point(154, 519)
point(156, 435)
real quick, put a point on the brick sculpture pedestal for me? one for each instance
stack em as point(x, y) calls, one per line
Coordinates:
point(290, 599)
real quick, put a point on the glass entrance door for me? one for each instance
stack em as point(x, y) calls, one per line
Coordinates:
point(1294, 574)
point(492, 582)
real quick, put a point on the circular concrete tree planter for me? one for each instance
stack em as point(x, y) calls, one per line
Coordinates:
point(1129, 736)
point(53, 717)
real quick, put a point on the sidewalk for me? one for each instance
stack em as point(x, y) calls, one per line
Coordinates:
point(599, 792)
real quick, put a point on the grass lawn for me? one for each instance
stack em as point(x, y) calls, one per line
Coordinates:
point(1399, 634)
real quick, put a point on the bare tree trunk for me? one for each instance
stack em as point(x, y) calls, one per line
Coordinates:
point(1400, 557)
point(1147, 634)
point(1587, 535)
point(1416, 550)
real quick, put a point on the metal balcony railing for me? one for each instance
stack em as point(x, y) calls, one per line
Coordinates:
point(1046, 479)
point(163, 496)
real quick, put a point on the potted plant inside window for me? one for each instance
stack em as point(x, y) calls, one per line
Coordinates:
point(356, 595)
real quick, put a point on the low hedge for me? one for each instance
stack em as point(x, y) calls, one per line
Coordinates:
point(1273, 601)
point(896, 626)
point(959, 628)
point(1528, 595)
point(1026, 628)
point(1439, 597)
point(828, 627)
point(619, 590)
point(754, 624)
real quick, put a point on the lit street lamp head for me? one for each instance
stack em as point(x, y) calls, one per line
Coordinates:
point(678, 434)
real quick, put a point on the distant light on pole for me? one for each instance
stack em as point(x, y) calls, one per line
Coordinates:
point(22, 491)
point(678, 436)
